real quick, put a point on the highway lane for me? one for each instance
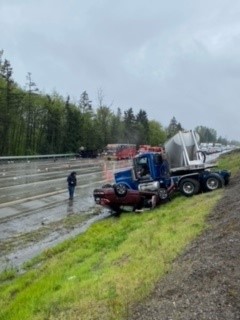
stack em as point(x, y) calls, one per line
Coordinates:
point(34, 205)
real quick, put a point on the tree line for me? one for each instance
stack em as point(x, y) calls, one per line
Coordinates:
point(35, 123)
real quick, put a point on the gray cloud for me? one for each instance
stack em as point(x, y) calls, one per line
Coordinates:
point(179, 58)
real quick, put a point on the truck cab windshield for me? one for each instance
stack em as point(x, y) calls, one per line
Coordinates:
point(141, 168)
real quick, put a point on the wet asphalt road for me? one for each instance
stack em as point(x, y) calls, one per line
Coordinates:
point(34, 195)
point(34, 203)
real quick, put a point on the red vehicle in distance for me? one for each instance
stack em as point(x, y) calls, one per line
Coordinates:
point(147, 148)
point(120, 151)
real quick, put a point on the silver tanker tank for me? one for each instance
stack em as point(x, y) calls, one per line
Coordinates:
point(182, 151)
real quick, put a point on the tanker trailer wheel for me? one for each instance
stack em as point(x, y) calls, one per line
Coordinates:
point(213, 182)
point(189, 186)
point(120, 189)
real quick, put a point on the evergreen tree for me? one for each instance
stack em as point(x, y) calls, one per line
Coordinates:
point(31, 115)
point(103, 125)
point(117, 128)
point(72, 124)
point(143, 127)
point(86, 125)
point(85, 105)
point(51, 135)
point(32, 123)
point(206, 134)
point(129, 121)
point(6, 104)
point(173, 127)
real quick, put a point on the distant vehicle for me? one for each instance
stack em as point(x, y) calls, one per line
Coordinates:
point(210, 148)
point(146, 148)
point(87, 153)
point(120, 151)
point(218, 147)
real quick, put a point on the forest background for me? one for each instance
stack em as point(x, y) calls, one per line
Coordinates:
point(32, 122)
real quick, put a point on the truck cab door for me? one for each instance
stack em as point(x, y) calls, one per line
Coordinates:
point(161, 167)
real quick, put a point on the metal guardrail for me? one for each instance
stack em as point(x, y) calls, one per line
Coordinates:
point(40, 156)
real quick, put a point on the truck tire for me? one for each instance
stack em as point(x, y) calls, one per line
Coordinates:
point(213, 182)
point(120, 189)
point(189, 186)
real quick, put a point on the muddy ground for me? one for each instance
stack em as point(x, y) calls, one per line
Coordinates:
point(204, 282)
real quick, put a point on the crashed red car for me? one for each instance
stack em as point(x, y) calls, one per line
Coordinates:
point(116, 197)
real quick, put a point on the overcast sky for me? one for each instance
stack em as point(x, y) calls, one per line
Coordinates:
point(169, 58)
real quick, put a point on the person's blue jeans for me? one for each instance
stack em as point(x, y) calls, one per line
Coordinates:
point(71, 191)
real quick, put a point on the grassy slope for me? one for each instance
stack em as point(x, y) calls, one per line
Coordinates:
point(98, 275)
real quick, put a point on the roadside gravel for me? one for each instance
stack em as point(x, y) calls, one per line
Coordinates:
point(204, 283)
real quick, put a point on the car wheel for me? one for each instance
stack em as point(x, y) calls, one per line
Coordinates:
point(213, 182)
point(120, 189)
point(189, 187)
point(163, 194)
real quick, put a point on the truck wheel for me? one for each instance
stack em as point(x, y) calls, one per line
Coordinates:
point(120, 189)
point(189, 187)
point(213, 182)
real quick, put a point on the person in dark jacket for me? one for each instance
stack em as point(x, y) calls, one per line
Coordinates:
point(72, 182)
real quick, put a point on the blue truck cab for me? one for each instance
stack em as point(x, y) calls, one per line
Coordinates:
point(146, 167)
point(149, 172)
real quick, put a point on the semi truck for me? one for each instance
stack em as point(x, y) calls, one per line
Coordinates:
point(154, 176)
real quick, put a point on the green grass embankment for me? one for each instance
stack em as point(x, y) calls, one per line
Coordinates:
point(100, 274)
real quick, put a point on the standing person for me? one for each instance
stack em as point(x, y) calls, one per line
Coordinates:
point(72, 182)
